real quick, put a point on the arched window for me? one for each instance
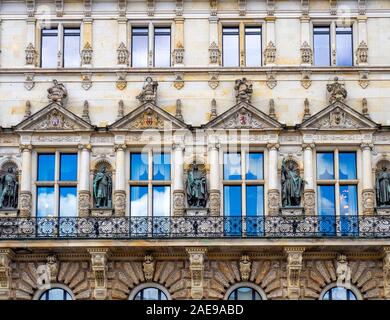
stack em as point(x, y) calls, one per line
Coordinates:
point(149, 291)
point(333, 292)
point(245, 291)
point(56, 294)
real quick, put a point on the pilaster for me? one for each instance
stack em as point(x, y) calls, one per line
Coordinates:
point(120, 181)
point(197, 257)
point(99, 257)
point(5, 273)
point(294, 268)
point(273, 191)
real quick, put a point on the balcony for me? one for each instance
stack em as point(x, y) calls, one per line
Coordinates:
point(272, 227)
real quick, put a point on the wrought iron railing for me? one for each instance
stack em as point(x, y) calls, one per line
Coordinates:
point(195, 227)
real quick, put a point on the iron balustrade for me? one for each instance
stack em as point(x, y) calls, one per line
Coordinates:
point(195, 227)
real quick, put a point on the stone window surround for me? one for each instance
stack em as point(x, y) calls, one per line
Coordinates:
point(252, 285)
point(332, 285)
point(336, 182)
point(332, 24)
point(150, 182)
point(39, 292)
point(146, 285)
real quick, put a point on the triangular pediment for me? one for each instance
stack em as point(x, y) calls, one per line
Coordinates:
point(54, 117)
point(338, 116)
point(244, 116)
point(148, 116)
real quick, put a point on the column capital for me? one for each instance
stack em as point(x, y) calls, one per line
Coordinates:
point(25, 147)
point(213, 146)
point(366, 146)
point(120, 147)
point(84, 146)
point(178, 146)
point(273, 146)
point(309, 146)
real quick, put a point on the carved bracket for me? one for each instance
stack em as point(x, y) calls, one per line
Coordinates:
point(148, 267)
point(386, 272)
point(29, 81)
point(294, 268)
point(197, 257)
point(5, 273)
point(245, 267)
point(99, 268)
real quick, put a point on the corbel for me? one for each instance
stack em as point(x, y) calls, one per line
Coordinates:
point(99, 257)
point(59, 7)
point(196, 257)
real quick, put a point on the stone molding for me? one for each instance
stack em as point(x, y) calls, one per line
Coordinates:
point(197, 258)
point(99, 267)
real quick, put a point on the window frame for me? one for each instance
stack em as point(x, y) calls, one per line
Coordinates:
point(134, 292)
point(154, 44)
point(251, 285)
point(330, 44)
point(332, 285)
point(40, 292)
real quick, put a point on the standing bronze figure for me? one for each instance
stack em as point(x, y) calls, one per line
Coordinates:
point(9, 190)
point(382, 186)
point(292, 185)
point(102, 189)
point(196, 188)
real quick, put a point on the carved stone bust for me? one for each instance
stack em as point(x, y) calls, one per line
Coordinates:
point(57, 92)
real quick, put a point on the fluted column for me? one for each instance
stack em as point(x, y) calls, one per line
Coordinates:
point(120, 181)
point(215, 193)
point(84, 187)
point(25, 182)
point(309, 192)
point(367, 182)
point(178, 180)
point(273, 191)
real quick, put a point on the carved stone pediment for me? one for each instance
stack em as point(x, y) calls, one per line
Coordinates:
point(244, 116)
point(338, 116)
point(54, 117)
point(148, 116)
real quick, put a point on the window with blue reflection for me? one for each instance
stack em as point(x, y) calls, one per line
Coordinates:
point(139, 166)
point(347, 165)
point(150, 294)
point(46, 167)
point(232, 210)
point(232, 166)
point(254, 210)
point(339, 293)
point(56, 294)
point(321, 44)
point(138, 201)
point(254, 166)
point(253, 46)
point(72, 47)
point(344, 50)
point(244, 293)
point(325, 165)
point(162, 47)
point(68, 167)
point(161, 201)
point(230, 45)
point(68, 202)
point(49, 48)
point(326, 209)
point(139, 47)
point(348, 210)
point(161, 166)
point(45, 202)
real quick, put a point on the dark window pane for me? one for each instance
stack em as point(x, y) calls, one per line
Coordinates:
point(232, 166)
point(68, 202)
point(161, 201)
point(347, 165)
point(253, 46)
point(161, 166)
point(46, 167)
point(321, 46)
point(49, 48)
point(68, 167)
point(230, 44)
point(254, 166)
point(45, 202)
point(140, 47)
point(344, 51)
point(138, 201)
point(325, 166)
point(162, 47)
point(138, 166)
point(72, 47)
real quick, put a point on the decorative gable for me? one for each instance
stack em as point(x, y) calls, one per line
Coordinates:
point(54, 117)
point(148, 116)
point(338, 116)
point(244, 116)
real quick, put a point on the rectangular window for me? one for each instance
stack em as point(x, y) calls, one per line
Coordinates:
point(344, 47)
point(321, 46)
point(49, 48)
point(71, 48)
point(231, 47)
point(162, 47)
point(140, 47)
point(253, 46)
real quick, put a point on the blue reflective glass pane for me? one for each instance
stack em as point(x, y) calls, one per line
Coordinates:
point(46, 167)
point(68, 167)
point(161, 166)
point(344, 49)
point(56, 294)
point(348, 210)
point(232, 166)
point(45, 202)
point(244, 293)
point(138, 166)
point(321, 46)
point(254, 210)
point(138, 201)
point(326, 209)
point(71, 48)
point(347, 165)
point(68, 202)
point(325, 166)
point(49, 48)
point(140, 47)
point(162, 47)
point(232, 201)
point(150, 294)
point(254, 166)
point(230, 41)
point(161, 201)
point(253, 47)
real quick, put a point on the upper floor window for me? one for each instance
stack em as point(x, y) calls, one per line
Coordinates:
point(252, 46)
point(321, 46)
point(344, 50)
point(162, 47)
point(231, 46)
point(140, 44)
point(60, 47)
point(57, 185)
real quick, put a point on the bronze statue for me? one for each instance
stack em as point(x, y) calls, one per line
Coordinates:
point(337, 91)
point(149, 91)
point(57, 93)
point(196, 188)
point(292, 185)
point(382, 186)
point(9, 190)
point(102, 189)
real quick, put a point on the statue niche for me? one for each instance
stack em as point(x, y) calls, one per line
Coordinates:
point(9, 187)
point(196, 186)
point(382, 184)
point(102, 186)
point(292, 184)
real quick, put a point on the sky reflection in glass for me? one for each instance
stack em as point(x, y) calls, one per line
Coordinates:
point(230, 47)
point(56, 294)
point(68, 167)
point(161, 166)
point(68, 202)
point(253, 46)
point(254, 166)
point(339, 293)
point(347, 165)
point(49, 48)
point(161, 201)
point(162, 47)
point(348, 200)
point(325, 165)
point(46, 165)
point(322, 46)
point(232, 166)
point(254, 200)
point(232, 201)
point(71, 47)
point(138, 201)
point(344, 56)
point(326, 200)
point(139, 47)
point(150, 294)
point(45, 202)
point(138, 166)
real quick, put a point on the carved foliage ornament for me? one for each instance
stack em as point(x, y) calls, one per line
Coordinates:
point(270, 53)
point(123, 54)
point(148, 267)
point(338, 118)
point(214, 53)
point(306, 53)
point(362, 53)
point(86, 54)
point(178, 54)
point(55, 120)
point(245, 267)
point(31, 55)
point(243, 120)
